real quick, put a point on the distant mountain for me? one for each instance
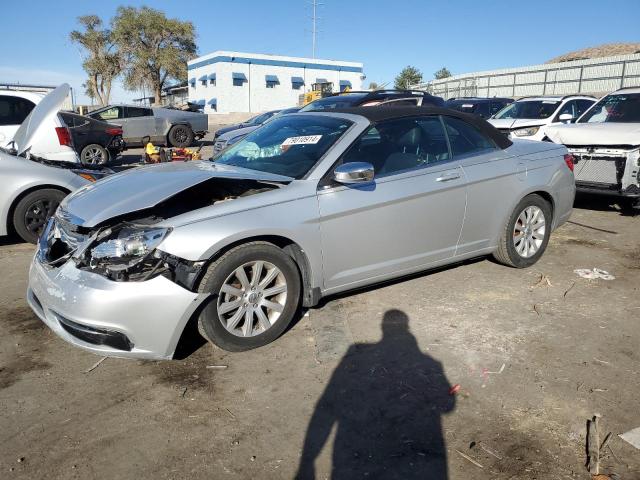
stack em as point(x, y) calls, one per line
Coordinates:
point(608, 50)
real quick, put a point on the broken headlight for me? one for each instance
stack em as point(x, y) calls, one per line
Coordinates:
point(126, 247)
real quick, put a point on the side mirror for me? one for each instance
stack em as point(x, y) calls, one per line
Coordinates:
point(566, 117)
point(354, 172)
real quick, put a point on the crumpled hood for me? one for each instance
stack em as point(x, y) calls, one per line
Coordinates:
point(606, 133)
point(513, 123)
point(145, 187)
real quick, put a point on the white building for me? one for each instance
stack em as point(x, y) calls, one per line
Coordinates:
point(226, 82)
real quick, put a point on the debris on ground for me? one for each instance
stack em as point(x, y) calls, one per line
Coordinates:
point(95, 365)
point(468, 458)
point(632, 437)
point(542, 281)
point(217, 367)
point(568, 290)
point(455, 389)
point(593, 274)
point(593, 446)
point(489, 451)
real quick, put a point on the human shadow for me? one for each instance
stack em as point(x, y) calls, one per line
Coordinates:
point(385, 400)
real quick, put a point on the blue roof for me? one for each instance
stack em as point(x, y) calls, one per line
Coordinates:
point(276, 63)
point(271, 78)
point(321, 80)
point(192, 80)
point(200, 102)
point(212, 76)
point(239, 76)
point(345, 82)
point(297, 80)
point(203, 78)
point(212, 101)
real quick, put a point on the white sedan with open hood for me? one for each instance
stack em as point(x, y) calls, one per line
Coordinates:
point(32, 183)
point(605, 143)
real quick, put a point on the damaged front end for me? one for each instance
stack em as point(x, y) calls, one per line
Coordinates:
point(613, 170)
point(124, 249)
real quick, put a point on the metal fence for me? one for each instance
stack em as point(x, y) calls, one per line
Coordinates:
point(597, 76)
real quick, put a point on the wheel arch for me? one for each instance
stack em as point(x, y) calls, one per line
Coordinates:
point(23, 193)
point(310, 294)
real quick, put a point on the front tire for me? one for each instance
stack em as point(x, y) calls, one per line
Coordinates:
point(94, 154)
point(32, 212)
point(255, 291)
point(181, 136)
point(526, 234)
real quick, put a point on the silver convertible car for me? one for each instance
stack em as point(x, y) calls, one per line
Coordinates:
point(309, 205)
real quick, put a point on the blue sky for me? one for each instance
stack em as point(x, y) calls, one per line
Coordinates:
point(464, 36)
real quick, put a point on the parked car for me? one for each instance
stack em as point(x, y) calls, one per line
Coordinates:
point(370, 98)
point(53, 142)
point(95, 141)
point(164, 126)
point(605, 142)
point(33, 186)
point(483, 107)
point(234, 136)
point(529, 117)
point(308, 205)
point(252, 122)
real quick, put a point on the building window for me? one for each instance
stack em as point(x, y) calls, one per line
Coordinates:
point(271, 81)
point(239, 79)
point(212, 81)
point(297, 83)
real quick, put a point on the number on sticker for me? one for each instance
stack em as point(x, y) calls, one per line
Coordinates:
point(304, 140)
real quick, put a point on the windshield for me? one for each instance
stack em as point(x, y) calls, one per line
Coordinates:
point(618, 108)
point(259, 119)
point(290, 145)
point(533, 109)
point(331, 103)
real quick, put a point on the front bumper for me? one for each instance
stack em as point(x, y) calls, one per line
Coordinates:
point(120, 319)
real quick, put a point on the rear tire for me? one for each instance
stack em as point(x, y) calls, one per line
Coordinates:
point(255, 291)
point(181, 136)
point(33, 211)
point(526, 234)
point(94, 154)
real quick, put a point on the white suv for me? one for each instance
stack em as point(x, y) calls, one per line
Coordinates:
point(529, 117)
point(53, 142)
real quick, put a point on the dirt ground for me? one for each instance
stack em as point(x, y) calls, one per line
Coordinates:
point(359, 387)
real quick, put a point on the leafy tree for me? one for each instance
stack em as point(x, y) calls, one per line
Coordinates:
point(102, 61)
point(156, 48)
point(442, 73)
point(407, 77)
point(373, 86)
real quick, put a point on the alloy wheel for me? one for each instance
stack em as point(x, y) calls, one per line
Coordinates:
point(529, 231)
point(93, 156)
point(252, 298)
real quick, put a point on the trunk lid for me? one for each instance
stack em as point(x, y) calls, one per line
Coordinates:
point(39, 118)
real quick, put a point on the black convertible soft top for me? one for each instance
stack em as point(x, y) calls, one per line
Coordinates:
point(377, 114)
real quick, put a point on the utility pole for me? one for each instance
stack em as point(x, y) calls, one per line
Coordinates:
point(314, 25)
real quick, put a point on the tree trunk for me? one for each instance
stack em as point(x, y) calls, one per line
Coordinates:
point(158, 95)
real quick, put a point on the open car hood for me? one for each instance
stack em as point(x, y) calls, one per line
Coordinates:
point(38, 118)
point(146, 187)
point(606, 133)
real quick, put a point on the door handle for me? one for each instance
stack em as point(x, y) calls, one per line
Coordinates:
point(448, 177)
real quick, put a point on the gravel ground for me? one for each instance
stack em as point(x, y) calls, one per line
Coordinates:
point(358, 388)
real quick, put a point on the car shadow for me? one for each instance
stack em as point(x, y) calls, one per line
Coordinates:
point(603, 203)
point(385, 401)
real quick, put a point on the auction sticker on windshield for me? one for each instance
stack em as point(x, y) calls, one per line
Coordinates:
point(304, 140)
